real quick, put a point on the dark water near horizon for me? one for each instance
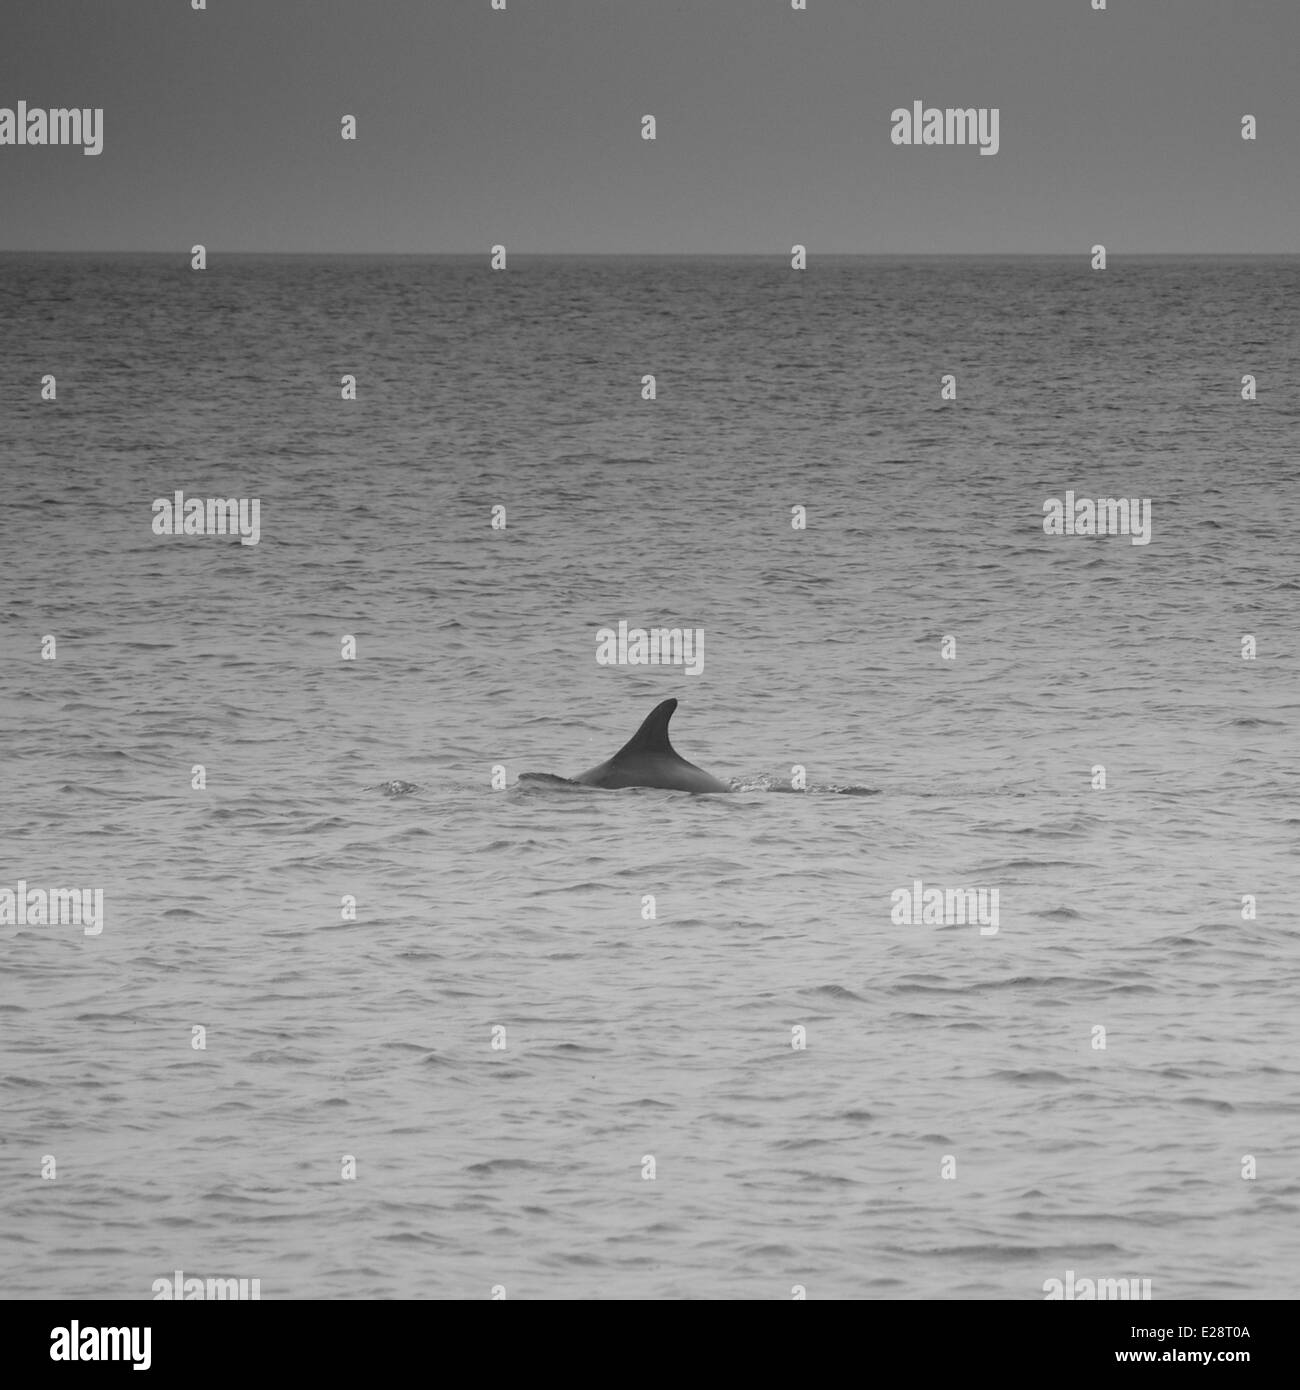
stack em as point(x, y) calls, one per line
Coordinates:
point(521, 908)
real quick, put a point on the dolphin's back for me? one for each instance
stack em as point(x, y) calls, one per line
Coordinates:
point(648, 759)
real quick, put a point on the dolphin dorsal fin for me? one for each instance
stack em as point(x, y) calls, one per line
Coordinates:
point(652, 736)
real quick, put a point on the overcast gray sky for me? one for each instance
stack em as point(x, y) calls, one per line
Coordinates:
point(523, 127)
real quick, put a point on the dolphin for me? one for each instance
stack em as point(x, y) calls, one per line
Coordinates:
point(647, 759)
